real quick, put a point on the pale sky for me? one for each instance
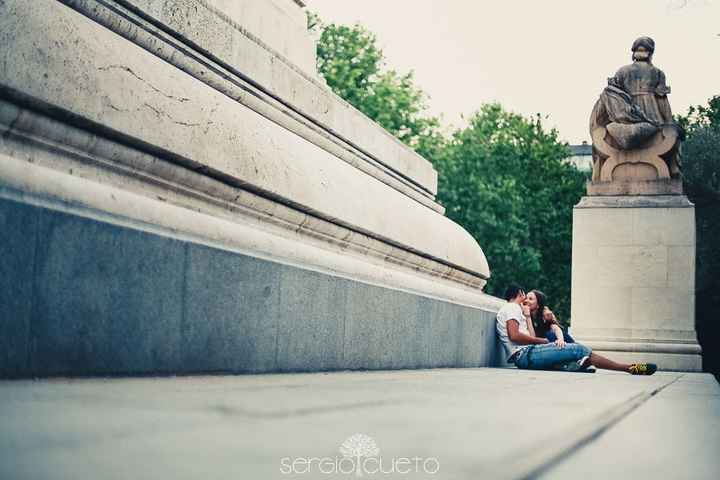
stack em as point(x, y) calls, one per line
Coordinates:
point(538, 56)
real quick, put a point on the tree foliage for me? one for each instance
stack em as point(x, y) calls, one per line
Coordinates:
point(701, 175)
point(354, 67)
point(504, 179)
point(700, 116)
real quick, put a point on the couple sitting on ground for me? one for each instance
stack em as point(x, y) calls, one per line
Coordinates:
point(533, 339)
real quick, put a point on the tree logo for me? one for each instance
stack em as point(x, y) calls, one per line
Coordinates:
point(357, 446)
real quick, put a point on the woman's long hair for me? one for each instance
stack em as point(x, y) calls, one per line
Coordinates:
point(537, 316)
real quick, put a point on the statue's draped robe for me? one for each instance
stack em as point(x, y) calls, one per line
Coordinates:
point(635, 102)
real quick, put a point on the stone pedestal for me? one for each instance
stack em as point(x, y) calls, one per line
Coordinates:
point(633, 279)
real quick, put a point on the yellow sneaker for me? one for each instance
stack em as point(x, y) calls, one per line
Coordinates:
point(643, 368)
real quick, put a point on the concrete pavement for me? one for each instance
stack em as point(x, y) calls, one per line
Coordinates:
point(442, 423)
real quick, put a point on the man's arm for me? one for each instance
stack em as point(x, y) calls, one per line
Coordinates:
point(530, 326)
point(528, 320)
point(516, 336)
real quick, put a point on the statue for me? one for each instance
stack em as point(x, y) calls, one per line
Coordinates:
point(635, 139)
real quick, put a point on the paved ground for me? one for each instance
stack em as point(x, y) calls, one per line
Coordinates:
point(462, 423)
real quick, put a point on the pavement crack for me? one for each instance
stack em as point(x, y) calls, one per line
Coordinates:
point(186, 124)
point(296, 412)
point(162, 113)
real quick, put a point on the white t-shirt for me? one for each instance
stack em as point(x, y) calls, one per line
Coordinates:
point(508, 311)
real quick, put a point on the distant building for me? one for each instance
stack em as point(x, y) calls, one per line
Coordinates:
point(581, 156)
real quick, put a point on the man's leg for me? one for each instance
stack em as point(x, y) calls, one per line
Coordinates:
point(546, 357)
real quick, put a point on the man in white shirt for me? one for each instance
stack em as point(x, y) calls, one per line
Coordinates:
point(529, 352)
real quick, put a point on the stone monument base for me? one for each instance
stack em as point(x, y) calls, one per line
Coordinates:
point(674, 356)
point(180, 193)
point(669, 186)
point(633, 279)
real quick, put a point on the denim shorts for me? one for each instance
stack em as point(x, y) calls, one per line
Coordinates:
point(545, 357)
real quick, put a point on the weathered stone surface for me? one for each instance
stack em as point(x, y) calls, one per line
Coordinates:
point(686, 408)
point(380, 332)
point(639, 165)
point(199, 126)
point(672, 186)
point(18, 225)
point(28, 182)
point(611, 226)
point(639, 201)
point(633, 278)
point(222, 427)
point(281, 24)
point(609, 307)
point(681, 268)
point(109, 299)
point(203, 204)
point(686, 339)
point(631, 266)
point(446, 329)
point(231, 312)
point(311, 320)
point(243, 57)
point(473, 334)
point(663, 308)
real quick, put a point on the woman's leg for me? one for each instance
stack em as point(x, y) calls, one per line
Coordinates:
point(548, 356)
point(605, 363)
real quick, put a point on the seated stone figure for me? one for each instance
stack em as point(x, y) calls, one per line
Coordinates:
point(632, 123)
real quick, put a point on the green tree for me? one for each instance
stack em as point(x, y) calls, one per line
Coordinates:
point(701, 178)
point(504, 179)
point(354, 67)
point(700, 117)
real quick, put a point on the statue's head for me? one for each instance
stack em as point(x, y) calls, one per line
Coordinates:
point(643, 49)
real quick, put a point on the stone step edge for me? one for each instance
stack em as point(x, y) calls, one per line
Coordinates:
point(27, 182)
point(634, 345)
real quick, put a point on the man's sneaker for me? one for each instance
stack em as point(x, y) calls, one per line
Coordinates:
point(585, 366)
point(643, 368)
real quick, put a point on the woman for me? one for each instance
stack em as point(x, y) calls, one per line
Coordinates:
point(541, 320)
